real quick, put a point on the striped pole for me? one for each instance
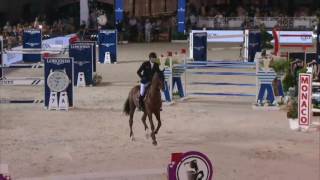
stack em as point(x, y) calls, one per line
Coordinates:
point(34, 51)
point(17, 66)
point(22, 82)
point(8, 101)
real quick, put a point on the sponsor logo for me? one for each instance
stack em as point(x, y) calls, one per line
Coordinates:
point(81, 46)
point(306, 37)
point(200, 34)
point(181, 10)
point(198, 48)
point(81, 63)
point(119, 10)
point(107, 32)
point(107, 44)
point(190, 166)
point(59, 61)
point(33, 44)
point(32, 32)
point(253, 44)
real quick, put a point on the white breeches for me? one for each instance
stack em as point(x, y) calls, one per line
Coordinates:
point(143, 88)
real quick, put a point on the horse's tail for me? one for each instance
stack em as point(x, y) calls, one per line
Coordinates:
point(126, 107)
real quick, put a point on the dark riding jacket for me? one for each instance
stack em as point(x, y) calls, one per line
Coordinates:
point(145, 72)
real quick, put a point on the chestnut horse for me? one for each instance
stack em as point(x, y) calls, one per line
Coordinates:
point(152, 104)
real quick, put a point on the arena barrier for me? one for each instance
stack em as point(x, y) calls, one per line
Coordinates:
point(264, 91)
point(83, 54)
point(207, 69)
point(251, 40)
point(107, 42)
point(32, 48)
point(17, 81)
point(58, 94)
point(248, 40)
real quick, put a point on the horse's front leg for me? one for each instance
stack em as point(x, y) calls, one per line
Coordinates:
point(159, 121)
point(143, 119)
point(131, 122)
point(153, 136)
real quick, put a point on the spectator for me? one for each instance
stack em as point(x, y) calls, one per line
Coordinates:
point(156, 29)
point(148, 29)
point(193, 21)
point(140, 30)
point(133, 28)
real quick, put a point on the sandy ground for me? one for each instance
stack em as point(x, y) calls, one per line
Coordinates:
point(92, 141)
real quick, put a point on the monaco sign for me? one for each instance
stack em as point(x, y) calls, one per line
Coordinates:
point(305, 95)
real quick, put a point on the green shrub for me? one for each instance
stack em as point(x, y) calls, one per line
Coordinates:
point(280, 66)
point(288, 81)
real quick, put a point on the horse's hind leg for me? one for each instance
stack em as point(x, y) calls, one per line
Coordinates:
point(153, 136)
point(159, 122)
point(132, 109)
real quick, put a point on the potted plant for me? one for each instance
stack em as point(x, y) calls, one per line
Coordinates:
point(292, 114)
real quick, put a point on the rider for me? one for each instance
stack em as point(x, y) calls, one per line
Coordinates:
point(145, 72)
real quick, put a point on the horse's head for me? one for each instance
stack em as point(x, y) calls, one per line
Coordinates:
point(158, 80)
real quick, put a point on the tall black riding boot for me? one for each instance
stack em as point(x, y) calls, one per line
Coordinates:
point(141, 103)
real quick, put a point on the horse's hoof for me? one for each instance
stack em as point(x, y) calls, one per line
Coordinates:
point(154, 143)
point(147, 134)
point(133, 139)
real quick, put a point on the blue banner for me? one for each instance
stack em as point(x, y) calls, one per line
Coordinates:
point(107, 40)
point(58, 64)
point(119, 10)
point(200, 46)
point(254, 44)
point(82, 53)
point(32, 39)
point(181, 16)
point(94, 44)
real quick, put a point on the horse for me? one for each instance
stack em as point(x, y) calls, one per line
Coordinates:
point(152, 105)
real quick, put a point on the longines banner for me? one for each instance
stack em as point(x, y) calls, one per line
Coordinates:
point(32, 39)
point(119, 10)
point(181, 16)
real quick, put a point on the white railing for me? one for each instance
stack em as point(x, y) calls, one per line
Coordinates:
point(270, 22)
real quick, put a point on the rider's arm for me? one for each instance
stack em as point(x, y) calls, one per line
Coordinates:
point(139, 72)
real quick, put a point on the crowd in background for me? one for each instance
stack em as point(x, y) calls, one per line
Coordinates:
point(12, 34)
point(146, 29)
point(253, 9)
point(244, 11)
